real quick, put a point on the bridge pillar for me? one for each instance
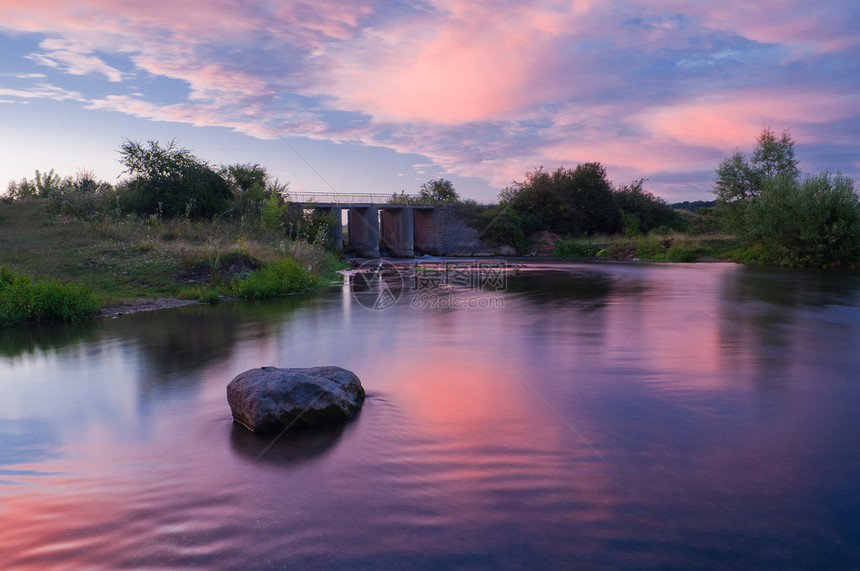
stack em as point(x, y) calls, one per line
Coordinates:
point(364, 231)
point(398, 231)
point(336, 231)
point(428, 238)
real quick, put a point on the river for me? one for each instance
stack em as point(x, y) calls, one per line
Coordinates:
point(565, 415)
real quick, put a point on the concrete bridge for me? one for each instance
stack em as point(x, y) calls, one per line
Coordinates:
point(373, 223)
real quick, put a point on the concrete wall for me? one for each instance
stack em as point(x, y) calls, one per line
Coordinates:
point(428, 237)
point(364, 231)
point(397, 231)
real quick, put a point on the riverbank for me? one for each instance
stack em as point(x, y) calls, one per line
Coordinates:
point(141, 304)
point(132, 264)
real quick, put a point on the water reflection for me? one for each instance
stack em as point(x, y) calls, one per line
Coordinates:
point(587, 289)
point(32, 339)
point(609, 415)
point(787, 288)
point(288, 449)
point(775, 321)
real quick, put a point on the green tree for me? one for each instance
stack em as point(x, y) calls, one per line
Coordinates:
point(171, 181)
point(739, 179)
point(252, 189)
point(568, 202)
point(774, 156)
point(438, 190)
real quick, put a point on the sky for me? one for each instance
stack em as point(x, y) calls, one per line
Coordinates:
point(379, 96)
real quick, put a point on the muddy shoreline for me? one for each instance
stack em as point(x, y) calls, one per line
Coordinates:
point(140, 304)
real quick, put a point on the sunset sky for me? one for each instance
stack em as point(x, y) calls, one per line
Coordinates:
point(381, 96)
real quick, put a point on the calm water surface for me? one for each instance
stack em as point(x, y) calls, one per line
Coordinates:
point(608, 415)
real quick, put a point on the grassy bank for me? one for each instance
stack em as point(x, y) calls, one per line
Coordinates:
point(130, 257)
point(672, 247)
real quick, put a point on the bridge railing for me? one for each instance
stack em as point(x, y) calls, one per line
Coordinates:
point(337, 198)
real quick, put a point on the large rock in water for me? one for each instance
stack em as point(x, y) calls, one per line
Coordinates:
point(270, 399)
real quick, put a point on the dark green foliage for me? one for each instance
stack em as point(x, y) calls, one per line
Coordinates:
point(313, 227)
point(694, 206)
point(704, 220)
point(501, 226)
point(652, 247)
point(401, 198)
point(740, 180)
point(567, 202)
point(278, 278)
point(579, 202)
point(202, 294)
point(434, 191)
point(22, 300)
point(774, 156)
point(253, 190)
point(680, 254)
point(815, 222)
point(781, 219)
point(44, 185)
point(170, 181)
point(572, 248)
point(469, 208)
point(438, 191)
point(641, 211)
point(82, 197)
point(248, 184)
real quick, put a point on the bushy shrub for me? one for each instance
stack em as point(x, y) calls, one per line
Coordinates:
point(681, 254)
point(23, 300)
point(815, 222)
point(170, 181)
point(572, 248)
point(641, 211)
point(202, 294)
point(278, 278)
point(501, 225)
point(651, 247)
point(578, 202)
point(82, 197)
point(568, 202)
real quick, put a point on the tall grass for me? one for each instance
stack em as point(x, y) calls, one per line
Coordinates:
point(23, 300)
point(278, 278)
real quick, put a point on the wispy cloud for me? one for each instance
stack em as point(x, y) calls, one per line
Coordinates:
point(41, 90)
point(73, 58)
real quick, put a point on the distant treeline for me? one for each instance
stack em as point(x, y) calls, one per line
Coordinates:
point(694, 206)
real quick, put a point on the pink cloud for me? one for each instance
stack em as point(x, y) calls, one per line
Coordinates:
point(469, 62)
point(734, 119)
